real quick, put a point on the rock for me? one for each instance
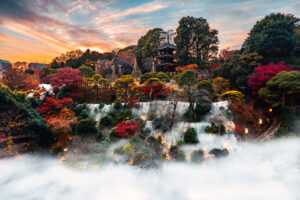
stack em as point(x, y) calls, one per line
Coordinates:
point(218, 153)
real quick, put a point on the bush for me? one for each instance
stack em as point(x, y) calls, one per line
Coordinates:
point(119, 151)
point(163, 77)
point(147, 76)
point(136, 142)
point(203, 106)
point(102, 146)
point(106, 121)
point(158, 124)
point(86, 127)
point(197, 156)
point(190, 136)
point(287, 116)
point(218, 153)
point(83, 114)
point(101, 105)
point(14, 107)
point(176, 153)
point(214, 128)
point(205, 85)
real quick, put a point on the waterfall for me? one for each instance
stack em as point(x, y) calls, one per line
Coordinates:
point(162, 108)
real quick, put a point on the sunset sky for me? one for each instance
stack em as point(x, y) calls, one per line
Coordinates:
point(39, 30)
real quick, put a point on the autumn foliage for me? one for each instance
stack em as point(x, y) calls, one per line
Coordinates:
point(67, 77)
point(53, 106)
point(193, 67)
point(264, 73)
point(155, 90)
point(127, 128)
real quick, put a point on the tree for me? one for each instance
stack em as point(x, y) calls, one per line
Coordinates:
point(263, 74)
point(123, 87)
point(163, 77)
point(205, 85)
point(86, 71)
point(225, 54)
point(66, 77)
point(237, 68)
point(147, 47)
point(188, 79)
point(19, 80)
point(155, 90)
point(203, 106)
point(193, 67)
point(86, 127)
point(283, 85)
point(220, 84)
point(190, 136)
point(233, 95)
point(273, 37)
point(127, 128)
point(53, 106)
point(20, 124)
point(196, 42)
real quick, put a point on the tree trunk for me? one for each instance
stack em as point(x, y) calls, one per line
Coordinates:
point(173, 114)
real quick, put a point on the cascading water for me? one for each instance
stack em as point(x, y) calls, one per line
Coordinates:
point(172, 136)
point(251, 171)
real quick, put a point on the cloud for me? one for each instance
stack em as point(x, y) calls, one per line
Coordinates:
point(56, 26)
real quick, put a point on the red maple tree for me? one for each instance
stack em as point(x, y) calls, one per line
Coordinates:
point(67, 77)
point(155, 90)
point(127, 128)
point(53, 106)
point(264, 73)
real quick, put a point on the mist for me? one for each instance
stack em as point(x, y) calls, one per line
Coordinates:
point(268, 170)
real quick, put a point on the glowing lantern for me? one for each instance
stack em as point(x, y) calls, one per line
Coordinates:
point(270, 109)
point(260, 122)
point(246, 130)
point(143, 117)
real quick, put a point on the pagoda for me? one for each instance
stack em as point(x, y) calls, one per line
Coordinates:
point(165, 58)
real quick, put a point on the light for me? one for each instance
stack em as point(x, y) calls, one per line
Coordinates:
point(260, 121)
point(226, 145)
point(143, 117)
point(246, 130)
point(65, 149)
point(169, 145)
point(270, 109)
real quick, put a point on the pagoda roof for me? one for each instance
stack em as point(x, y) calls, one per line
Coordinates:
point(165, 56)
point(166, 46)
point(166, 64)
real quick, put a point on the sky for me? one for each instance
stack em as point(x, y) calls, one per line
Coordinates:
point(39, 30)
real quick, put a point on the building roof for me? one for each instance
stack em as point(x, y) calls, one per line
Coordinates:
point(166, 46)
point(165, 56)
point(4, 61)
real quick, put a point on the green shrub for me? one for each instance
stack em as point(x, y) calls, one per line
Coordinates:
point(119, 151)
point(147, 76)
point(197, 156)
point(205, 85)
point(159, 124)
point(136, 142)
point(163, 77)
point(203, 106)
point(287, 117)
point(86, 127)
point(102, 146)
point(190, 136)
point(101, 105)
point(214, 128)
point(106, 121)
